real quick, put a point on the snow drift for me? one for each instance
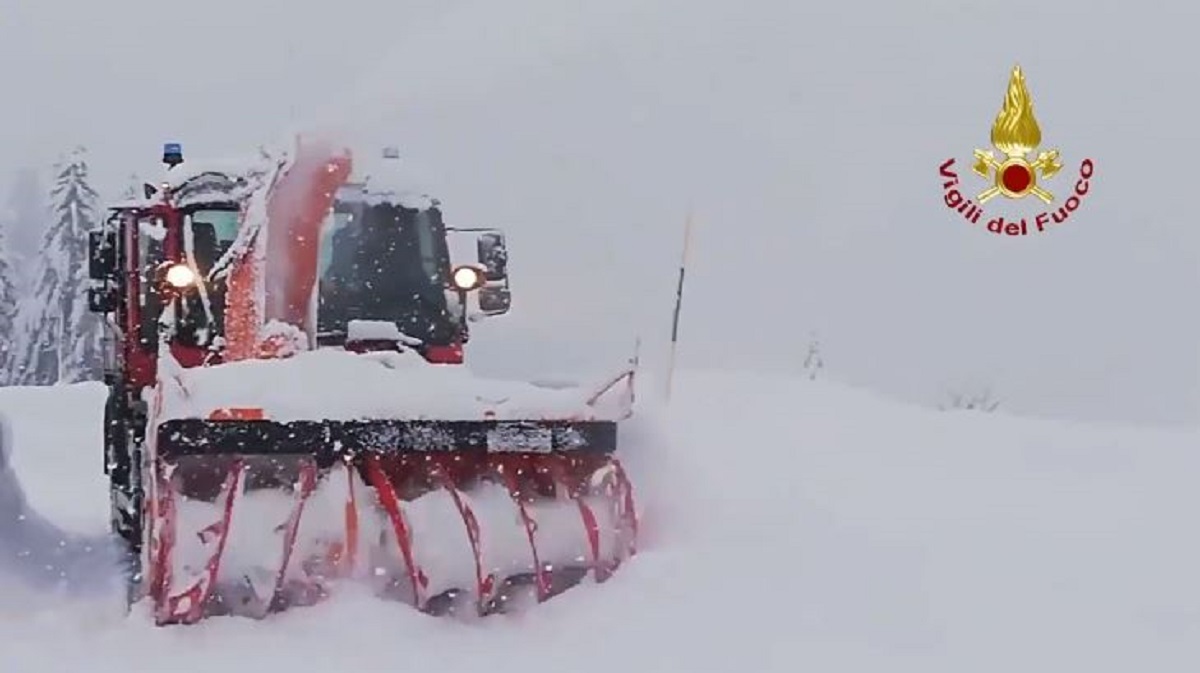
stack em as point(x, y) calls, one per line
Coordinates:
point(804, 526)
point(37, 554)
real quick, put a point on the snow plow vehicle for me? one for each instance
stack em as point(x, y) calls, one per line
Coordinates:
point(289, 408)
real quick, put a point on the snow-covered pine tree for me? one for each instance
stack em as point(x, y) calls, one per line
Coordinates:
point(8, 302)
point(59, 340)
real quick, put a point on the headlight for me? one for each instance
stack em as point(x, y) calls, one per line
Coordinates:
point(180, 276)
point(466, 278)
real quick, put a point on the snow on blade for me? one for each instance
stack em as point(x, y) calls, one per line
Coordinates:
point(337, 385)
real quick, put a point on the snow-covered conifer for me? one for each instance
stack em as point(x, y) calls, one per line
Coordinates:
point(59, 341)
point(8, 301)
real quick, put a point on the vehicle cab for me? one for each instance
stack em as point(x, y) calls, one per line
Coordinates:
point(160, 269)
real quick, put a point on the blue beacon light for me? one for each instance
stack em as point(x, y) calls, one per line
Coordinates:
point(172, 154)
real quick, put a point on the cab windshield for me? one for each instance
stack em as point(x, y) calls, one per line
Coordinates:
point(378, 262)
point(384, 262)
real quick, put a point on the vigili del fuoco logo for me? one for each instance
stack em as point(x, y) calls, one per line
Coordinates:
point(1016, 135)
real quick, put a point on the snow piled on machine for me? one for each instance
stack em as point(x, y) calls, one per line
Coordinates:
point(379, 171)
point(334, 384)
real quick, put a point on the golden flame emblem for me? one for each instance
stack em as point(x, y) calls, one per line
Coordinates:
point(1016, 133)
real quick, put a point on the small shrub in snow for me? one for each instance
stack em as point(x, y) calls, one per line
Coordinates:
point(980, 400)
point(813, 363)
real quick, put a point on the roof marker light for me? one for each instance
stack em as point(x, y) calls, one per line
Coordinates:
point(172, 154)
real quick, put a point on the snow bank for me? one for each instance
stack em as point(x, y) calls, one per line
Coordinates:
point(339, 385)
point(790, 526)
point(44, 558)
point(57, 435)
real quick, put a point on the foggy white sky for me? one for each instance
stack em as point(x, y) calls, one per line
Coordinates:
point(806, 137)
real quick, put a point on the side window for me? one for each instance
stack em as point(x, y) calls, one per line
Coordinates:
point(334, 223)
point(210, 233)
point(151, 233)
point(427, 244)
point(213, 232)
point(226, 223)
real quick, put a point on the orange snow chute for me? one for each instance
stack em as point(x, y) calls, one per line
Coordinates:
point(282, 270)
point(298, 206)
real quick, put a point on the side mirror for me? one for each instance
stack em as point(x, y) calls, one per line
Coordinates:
point(102, 299)
point(102, 255)
point(494, 300)
point(493, 255)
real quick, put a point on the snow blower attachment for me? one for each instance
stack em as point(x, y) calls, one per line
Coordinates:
point(277, 510)
point(288, 415)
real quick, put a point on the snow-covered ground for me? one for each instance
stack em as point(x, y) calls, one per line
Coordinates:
point(790, 525)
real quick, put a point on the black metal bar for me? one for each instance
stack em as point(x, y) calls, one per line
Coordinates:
point(329, 439)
